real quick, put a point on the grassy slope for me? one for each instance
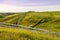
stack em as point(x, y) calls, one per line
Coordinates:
point(11, 19)
point(20, 34)
point(50, 20)
point(2, 15)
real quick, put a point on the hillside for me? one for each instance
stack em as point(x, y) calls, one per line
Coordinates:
point(22, 34)
point(44, 20)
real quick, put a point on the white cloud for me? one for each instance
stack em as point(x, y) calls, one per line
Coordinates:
point(9, 8)
point(45, 8)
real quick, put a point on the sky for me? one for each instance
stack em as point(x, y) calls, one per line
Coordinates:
point(29, 5)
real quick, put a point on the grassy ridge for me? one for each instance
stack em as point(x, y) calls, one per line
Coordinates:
point(22, 34)
point(44, 20)
point(2, 15)
point(11, 19)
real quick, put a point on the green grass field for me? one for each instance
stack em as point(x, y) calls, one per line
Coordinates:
point(22, 34)
point(43, 20)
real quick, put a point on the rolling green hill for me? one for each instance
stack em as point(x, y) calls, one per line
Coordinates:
point(44, 20)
